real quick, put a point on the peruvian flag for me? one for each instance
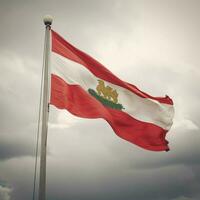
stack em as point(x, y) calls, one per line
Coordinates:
point(87, 89)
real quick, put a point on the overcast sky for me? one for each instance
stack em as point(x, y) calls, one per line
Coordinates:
point(153, 44)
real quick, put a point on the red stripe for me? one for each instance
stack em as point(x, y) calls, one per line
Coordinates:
point(80, 103)
point(65, 49)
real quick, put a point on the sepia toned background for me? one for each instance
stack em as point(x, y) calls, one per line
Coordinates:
point(153, 44)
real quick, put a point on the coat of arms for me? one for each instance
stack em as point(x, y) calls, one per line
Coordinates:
point(106, 95)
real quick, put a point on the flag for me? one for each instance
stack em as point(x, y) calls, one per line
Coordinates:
point(87, 89)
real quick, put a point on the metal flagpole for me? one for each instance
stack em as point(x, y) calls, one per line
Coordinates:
point(45, 109)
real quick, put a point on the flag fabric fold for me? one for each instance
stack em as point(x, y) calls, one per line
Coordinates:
point(87, 89)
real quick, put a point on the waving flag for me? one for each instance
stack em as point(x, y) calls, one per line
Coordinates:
point(87, 89)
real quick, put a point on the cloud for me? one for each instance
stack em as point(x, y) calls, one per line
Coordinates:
point(5, 193)
point(186, 124)
point(152, 44)
point(18, 109)
point(61, 119)
point(184, 198)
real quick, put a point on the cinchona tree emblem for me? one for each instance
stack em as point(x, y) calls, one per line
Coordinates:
point(106, 95)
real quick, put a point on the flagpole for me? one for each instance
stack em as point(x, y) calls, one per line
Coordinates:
point(45, 109)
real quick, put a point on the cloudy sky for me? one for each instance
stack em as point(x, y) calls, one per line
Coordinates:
point(153, 44)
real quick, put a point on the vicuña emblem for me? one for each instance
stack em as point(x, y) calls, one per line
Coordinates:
point(106, 95)
point(107, 92)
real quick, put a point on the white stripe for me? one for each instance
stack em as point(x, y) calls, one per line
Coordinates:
point(143, 109)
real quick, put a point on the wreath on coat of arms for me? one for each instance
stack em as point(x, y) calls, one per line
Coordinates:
point(106, 95)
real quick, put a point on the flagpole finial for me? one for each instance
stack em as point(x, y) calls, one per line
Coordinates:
point(48, 20)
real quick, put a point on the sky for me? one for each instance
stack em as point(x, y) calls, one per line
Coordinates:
point(153, 44)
